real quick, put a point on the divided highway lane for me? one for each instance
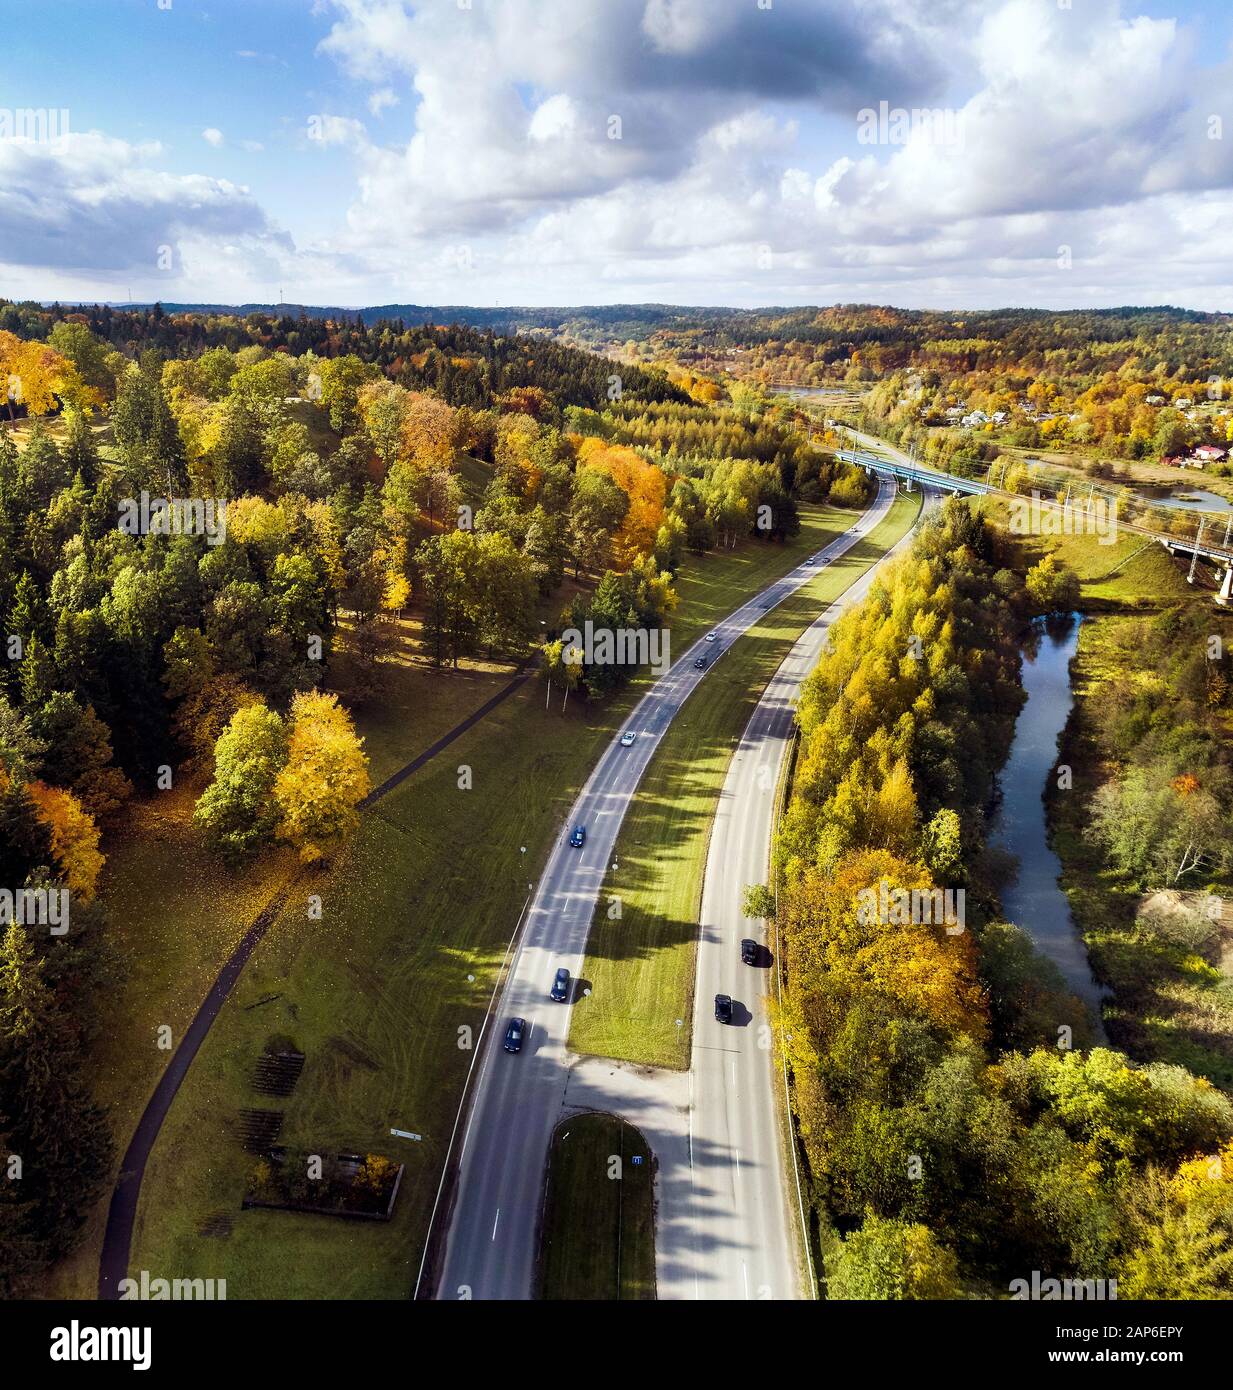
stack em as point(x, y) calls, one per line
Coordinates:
point(737, 1233)
point(491, 1247)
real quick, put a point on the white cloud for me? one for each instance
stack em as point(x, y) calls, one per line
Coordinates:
point(90, 209)
point(381, 99)
point(1069, 119)
point(706, 150)
point(212, 136)
point(326, 130)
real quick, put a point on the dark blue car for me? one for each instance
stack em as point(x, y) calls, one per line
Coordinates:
point(579, 837)
point(513, 1034)
point(560, 986)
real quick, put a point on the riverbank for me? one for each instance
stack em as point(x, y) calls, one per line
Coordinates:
point(1146, 702)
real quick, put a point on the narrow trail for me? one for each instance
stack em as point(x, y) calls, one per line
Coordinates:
point(122, 1213)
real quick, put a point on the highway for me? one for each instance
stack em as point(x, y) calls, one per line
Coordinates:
point(491, 1247)
point(740, 1236)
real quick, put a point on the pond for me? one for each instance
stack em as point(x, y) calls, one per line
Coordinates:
point(1191, 499)
point(1034, 901)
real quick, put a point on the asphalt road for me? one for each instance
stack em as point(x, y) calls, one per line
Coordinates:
point(738, 1237)
point(517, 1099)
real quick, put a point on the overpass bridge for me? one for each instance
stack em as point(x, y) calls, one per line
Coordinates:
point(927, 477)
point(1217, 552)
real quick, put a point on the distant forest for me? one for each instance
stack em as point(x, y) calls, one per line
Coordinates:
point(884, 339)
point(465, 365)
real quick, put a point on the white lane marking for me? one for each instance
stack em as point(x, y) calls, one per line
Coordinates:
point(495, 1219)
point(745, 1277)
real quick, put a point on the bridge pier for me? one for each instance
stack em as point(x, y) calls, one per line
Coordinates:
point(1224, 595)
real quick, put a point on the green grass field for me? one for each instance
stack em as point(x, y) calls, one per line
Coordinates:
point(375, 993)
point(641, 967)
point(173, 953)
point(599, 1219)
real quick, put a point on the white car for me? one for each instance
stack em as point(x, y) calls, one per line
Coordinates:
point(627, 738)
point(712, 636)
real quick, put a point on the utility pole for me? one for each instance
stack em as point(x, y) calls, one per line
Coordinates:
point(1194, 556)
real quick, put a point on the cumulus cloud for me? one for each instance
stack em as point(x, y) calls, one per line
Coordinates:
point(707, 150)
point(89, 204)
point(584, 150)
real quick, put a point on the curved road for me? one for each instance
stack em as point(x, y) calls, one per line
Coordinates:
point(491, 1248)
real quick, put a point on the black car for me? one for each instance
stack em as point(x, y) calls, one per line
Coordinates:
point(560, 986)
point(700, 663)
point(513, 1034)
point(749, 951)
point(723, 1008)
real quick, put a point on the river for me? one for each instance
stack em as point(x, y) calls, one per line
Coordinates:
point(1034, 901)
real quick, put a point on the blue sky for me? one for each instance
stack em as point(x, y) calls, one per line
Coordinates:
point(365, 151)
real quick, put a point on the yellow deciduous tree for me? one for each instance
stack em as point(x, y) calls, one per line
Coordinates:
point(34, 375)
point(325, 777)
point(74, 836)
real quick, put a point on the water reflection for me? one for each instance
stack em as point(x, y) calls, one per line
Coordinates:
point(1034, 901)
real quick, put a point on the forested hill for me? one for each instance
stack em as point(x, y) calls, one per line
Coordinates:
point(793, 343)
point(465, 365)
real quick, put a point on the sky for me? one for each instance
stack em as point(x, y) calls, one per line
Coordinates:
point(955, 154)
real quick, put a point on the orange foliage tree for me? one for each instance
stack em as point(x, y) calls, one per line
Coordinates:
point(74, 836)
point(643, 483)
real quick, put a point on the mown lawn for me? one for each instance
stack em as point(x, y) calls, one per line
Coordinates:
point(599, 1218)
point(641, 967)
point(375, 993)
point(176, 912)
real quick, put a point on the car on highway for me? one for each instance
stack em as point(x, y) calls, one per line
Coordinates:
point(700, 664)
point(723, 1008)
point(749, 951)
point(513, 1034)
point(627, 738)
point(579, 837)
point(560, 986)
point(811, 561)
point(712, 636)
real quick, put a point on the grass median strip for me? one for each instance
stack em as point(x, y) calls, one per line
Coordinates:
point(415, 922)
point(641, 966)
point(599, 1219)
